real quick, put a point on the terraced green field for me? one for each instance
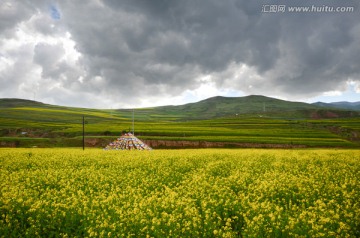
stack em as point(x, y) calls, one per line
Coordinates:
point(62, 126)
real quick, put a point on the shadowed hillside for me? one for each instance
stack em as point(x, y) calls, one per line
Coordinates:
point(14, 102)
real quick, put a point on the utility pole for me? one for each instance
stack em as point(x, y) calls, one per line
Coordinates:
point(83, 132)
point(133, 124)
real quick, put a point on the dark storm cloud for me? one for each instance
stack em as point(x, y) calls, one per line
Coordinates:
point(166, 43)
point(198, 37)
point(318, 54)
point(140, 48)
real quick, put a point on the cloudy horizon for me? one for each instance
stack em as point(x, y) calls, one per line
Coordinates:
point(140, 53)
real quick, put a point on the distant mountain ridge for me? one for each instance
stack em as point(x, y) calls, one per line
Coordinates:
point(340, 105)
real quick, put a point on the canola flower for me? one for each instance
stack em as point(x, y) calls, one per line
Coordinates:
point(179, 193)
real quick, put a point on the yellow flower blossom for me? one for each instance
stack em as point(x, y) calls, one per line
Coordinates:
point(182, 193)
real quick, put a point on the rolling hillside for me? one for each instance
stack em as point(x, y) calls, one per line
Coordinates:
point(254, 105)
point(251, 105)
point(253, 121)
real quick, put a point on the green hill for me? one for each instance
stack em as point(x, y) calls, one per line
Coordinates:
point(255, 105)
point(226, 106)
point(14, 102)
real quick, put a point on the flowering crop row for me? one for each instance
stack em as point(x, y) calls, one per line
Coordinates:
point(182, 193)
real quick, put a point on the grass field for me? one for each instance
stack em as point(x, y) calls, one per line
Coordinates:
point(187, 193)
point(243, 130)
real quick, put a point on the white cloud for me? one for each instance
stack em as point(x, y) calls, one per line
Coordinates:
point(332, 93)
point(357, 88)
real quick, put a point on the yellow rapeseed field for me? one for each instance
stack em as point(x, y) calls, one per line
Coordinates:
point(179, 193)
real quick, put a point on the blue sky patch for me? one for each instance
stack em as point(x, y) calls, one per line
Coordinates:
point(54, 12)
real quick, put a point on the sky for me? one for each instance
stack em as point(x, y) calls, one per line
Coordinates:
point(143, 53)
